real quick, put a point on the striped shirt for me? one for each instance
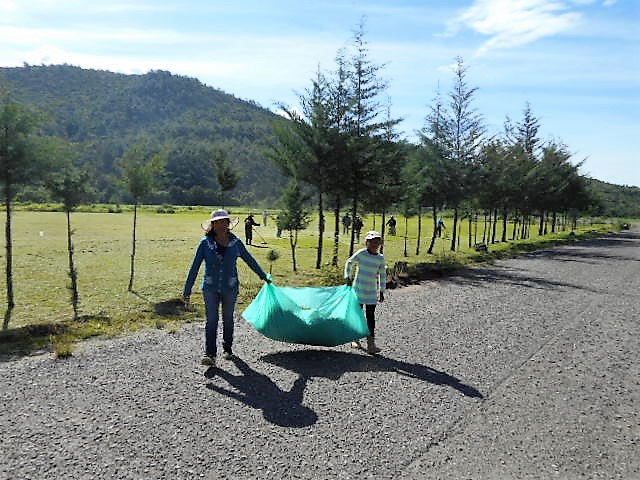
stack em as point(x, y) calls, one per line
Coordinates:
point(370, 277)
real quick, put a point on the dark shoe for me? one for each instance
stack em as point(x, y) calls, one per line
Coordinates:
point(371, 345)
point(208, 360)
point(227, 355)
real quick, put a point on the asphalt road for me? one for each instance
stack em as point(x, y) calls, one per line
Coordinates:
point(526, 369)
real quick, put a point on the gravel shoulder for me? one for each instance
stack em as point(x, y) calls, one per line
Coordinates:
point(525, 369)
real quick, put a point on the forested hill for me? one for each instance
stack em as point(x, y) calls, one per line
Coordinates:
point(106, 113)
point(616, 200)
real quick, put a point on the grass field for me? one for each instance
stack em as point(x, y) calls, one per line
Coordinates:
point(165, 247)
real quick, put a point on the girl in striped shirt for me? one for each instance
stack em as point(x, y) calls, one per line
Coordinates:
point(369, 282)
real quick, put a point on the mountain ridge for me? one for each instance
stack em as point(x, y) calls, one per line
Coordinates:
point(105, 113)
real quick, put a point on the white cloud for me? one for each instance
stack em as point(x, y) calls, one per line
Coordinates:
point(511, 23)
point(7, 6)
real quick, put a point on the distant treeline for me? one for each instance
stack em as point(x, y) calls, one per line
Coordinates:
point(103, 115)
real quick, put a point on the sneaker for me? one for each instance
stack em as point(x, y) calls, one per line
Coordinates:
point(208, 360)
point(227, 355)
point(356, 344)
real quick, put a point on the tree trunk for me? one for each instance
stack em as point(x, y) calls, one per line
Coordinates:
point(546, 223)
point(454, 229)
point(505, 213)
point(336, 235)
point(470, 229)
point(9, 265)
point(494, 226)
point(133, 247)
point(406, 233)
point(73, 273)
point(320, 230)
point(293, 243)
point(419, 230)
point(523, 227)
point(382, 225)
point(433, 235)
point(475, 227)
point(354, 210)
point(541, 227)
point(485, 238)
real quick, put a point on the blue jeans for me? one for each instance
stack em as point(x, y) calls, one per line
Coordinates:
point(212, 301)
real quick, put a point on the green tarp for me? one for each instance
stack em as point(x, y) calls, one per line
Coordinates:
point(325, 316)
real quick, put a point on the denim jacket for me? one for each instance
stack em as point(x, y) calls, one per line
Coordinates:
point(220, 273)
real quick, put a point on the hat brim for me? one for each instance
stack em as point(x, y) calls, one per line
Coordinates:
point(233, 221)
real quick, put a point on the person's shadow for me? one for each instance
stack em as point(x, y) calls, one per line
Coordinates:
point(285, 408)
point(259, 391)
point(333, 364)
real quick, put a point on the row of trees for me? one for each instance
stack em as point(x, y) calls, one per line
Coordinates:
point(514, 174)
point(342, 144)
point(29, 157)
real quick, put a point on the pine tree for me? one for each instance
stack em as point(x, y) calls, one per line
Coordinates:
point(72, 187)
point(21, 159)
point(295, 216)
point(142, 173)
point(459, 135)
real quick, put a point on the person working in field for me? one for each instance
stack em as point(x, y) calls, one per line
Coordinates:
point(357, 227)
point(219, 249)
point(346, 223)
point(249, 223)
point(391, 223)
point(367, 272)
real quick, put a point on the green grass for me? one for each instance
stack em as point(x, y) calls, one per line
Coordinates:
point(42, 318)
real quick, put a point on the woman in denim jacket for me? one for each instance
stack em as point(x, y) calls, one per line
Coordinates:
point(219, 249)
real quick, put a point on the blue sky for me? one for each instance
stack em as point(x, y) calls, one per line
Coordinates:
point(576, 62)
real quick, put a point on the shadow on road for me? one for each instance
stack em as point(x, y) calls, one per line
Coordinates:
point(592, 251)
point(490, 276)
point(259, 391)
point(285, 408)
point(333, 364)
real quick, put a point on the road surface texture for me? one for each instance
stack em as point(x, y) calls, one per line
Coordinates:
point(527, 369)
